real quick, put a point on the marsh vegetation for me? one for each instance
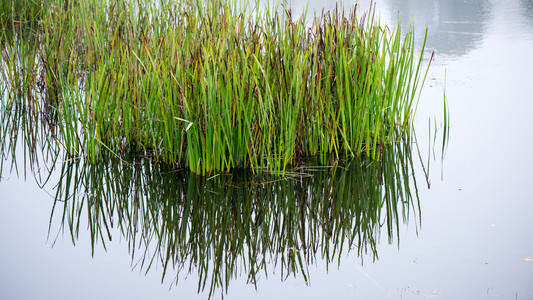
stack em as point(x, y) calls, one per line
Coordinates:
point(216, 138)
point(210, 86)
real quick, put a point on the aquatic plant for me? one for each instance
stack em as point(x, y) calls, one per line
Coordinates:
point(119, 93)
point(213, 86)
point(227, 225)
point(22, 11)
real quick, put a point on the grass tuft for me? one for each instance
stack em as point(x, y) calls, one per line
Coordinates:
point(212, 86)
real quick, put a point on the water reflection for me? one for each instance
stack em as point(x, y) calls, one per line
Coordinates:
point(519, 16)
point(526, 9)
point(240, 225)
point(455, 27)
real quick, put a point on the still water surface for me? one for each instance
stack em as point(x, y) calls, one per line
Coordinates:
point(476, 225)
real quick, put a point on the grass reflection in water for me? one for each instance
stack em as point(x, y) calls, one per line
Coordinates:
point(239, 225)
point(57, 102)
point(219, 227)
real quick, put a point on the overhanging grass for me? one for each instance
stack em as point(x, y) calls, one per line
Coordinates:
point(214, 86)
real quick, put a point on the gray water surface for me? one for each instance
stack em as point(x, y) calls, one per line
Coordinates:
point(476, 229)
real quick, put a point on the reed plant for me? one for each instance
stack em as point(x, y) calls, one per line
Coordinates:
point(213, 86)
point(23, 11)
point(129, 90)
point(23, 113)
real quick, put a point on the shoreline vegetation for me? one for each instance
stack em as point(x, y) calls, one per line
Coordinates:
point(207, 86)
point(126, 102)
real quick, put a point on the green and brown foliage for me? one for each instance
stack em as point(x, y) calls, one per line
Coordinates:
point(211, 86)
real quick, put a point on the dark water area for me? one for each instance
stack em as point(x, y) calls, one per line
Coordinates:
point(471, 238)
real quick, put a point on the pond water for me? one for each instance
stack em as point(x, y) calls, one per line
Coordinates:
point(473, 240)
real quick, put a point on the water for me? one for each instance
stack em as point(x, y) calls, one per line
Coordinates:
point(476, 223)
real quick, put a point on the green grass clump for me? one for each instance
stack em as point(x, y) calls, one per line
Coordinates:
point(214, 86)
point(22, 11)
